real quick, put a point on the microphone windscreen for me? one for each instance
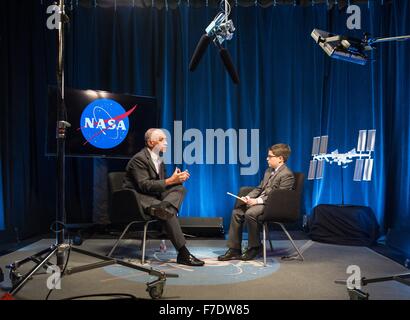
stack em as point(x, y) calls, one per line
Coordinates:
point(226, 58)
point(199, 51)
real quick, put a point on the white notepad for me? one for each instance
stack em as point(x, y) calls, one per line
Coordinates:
point(231, 194)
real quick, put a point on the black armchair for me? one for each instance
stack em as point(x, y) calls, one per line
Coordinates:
point(282, 206)
point(124, 207)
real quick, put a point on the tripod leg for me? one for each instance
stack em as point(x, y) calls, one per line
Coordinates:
point(149, 270)
point(34, 258)
point(27, 277)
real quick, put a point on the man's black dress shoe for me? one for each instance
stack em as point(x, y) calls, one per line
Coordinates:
point(231, 254)
point(189, 260)
point(162, 211)
point(252, 253)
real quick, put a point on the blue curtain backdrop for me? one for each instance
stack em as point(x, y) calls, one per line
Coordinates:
point(147, 51)
point(289, 90)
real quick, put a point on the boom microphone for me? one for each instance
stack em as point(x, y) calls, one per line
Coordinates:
point(199, 51)
point(226, 58)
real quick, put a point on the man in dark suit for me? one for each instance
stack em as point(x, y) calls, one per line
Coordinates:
point(159, 196)
point(277, 176)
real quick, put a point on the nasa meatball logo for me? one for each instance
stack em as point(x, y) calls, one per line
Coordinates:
point(105, 124)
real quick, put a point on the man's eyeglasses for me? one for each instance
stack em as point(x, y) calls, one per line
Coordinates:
point(271, 156)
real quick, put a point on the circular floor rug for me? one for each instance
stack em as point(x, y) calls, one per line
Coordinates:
point(213, 273)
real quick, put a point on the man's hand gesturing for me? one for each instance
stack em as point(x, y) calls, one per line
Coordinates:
point(177, 177)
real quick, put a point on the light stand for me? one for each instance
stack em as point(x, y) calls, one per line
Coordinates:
point(357, 294)
point(61, 247)
point(61, 129)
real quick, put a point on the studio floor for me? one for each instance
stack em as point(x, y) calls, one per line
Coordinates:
point(313, 278)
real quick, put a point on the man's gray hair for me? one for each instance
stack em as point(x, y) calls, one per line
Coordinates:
point(148, 134)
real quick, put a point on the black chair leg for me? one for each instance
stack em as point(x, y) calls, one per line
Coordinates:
point(268, 237)
point(122, 235)
point(144, 239)
point(264, 228)
point(291, 257)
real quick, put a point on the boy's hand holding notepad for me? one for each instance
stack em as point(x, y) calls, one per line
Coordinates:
point(242, 199)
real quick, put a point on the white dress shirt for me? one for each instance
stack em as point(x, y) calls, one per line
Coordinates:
point(155, 159)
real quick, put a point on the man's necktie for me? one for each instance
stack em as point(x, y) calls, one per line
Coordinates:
point(273, 173)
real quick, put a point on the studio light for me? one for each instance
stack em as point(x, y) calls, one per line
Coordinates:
point(347, 48)
point(219, 30)
point(340, 47)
